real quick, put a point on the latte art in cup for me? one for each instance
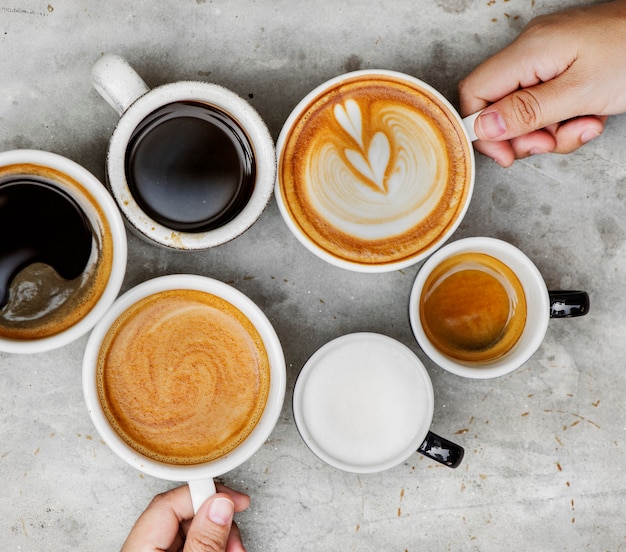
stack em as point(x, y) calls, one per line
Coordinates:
point(374, 170)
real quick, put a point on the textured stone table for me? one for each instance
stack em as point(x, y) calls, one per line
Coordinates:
point(545, 446)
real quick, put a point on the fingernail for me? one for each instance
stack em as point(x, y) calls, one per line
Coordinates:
point(588, 135)
point(537, 151)
point(491, 124)
point(220, 511)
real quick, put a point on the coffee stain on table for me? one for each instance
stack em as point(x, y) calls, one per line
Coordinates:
point(23, 11)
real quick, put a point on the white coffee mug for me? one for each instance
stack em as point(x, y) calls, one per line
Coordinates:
point(378, 187)
point(119, 84)
point(364, 403)
point(541, 305)
point(108, 240)
point(199, 476)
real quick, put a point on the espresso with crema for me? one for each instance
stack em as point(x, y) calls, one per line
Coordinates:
point(183, 377)
point(473, 308)
point(56, 251)
point(374, 170)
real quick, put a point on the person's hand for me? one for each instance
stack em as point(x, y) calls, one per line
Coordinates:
point(552, 89)
point(168, 524)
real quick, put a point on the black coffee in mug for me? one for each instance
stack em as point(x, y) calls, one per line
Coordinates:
point(40, 224)
point(56, 250)
point(190, 167)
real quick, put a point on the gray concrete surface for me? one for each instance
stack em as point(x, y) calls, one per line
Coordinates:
point(545, 446)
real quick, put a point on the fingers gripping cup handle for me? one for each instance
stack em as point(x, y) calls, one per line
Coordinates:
point(468, 123)
point(117, 82)
point(200, 490)
point(441, 450)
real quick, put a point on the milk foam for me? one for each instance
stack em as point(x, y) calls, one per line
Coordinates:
point(379, 188)
point(365, 402)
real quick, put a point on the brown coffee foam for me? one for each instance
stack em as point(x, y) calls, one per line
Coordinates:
point(82, 293)
point(319, 126)
point(183, 377)
point(473, 308)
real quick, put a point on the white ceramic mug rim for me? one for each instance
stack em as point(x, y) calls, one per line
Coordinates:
point(537, 301)
point(261, 432)
point(353, 265)
point(118, 233)
point(327, 457)
point(241, 112)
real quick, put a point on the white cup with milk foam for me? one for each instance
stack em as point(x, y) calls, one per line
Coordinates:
point(364, 403)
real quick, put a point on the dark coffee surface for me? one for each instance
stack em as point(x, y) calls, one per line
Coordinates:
point(55, 251)
point(40, 223)
point(190, 167)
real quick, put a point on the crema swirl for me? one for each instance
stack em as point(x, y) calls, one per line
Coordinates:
point(183, 377)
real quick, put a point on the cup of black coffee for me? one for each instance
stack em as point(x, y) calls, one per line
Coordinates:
point(62, 251)
point(191, 164)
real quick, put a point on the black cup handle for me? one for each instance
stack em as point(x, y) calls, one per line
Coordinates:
point(441, 450)
point(568, 303)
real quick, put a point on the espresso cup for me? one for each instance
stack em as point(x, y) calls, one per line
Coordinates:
point(184, 379)
point(191, 165)
point(375, 170)
point(479, 307)
point(62, 251)
point(364, 403)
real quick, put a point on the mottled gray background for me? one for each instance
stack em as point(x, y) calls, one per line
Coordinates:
point(544, 469)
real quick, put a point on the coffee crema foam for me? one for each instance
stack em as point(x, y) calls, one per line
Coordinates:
point(375, 170)
point(183, 377)
point(41, 303)
point(473, 308)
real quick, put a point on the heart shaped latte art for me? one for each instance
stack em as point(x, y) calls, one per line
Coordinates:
point(373, 163)
point(381, 175)
point(375, 170)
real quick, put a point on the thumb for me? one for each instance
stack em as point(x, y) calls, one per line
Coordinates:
point(529, 109)
point(211, 525)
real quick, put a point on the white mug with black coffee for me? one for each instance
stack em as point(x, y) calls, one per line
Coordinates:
point(184, 378)
point(375, 170)
point(480, 308)
point(62, 251)
point(191, 164)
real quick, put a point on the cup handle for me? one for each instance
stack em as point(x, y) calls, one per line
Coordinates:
point(568, 303)
point(117, 82)
point(441, 450)
point(200, 490)
point(468, 123)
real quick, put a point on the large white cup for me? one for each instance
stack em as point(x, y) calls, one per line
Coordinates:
point(119, 84)
point(109, 248)
point(375, 170)
point(199, 476)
